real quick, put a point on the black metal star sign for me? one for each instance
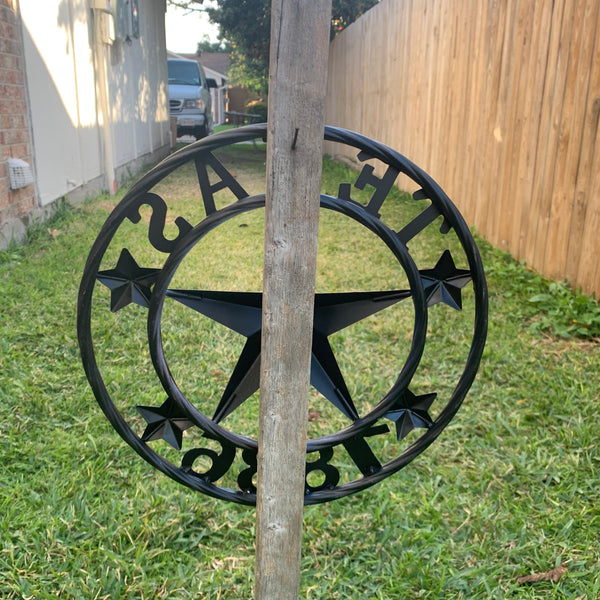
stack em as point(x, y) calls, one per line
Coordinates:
point(344, 455)
point(241, 312)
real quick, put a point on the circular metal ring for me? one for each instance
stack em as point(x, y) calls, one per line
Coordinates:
point(357, 427)
point(351, 439)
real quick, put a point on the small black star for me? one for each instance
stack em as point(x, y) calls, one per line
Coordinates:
point(128, 282)
point(165, 422)
point(411, 413)
point(444, 282)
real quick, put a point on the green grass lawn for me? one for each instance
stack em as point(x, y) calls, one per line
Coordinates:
point(511, 487)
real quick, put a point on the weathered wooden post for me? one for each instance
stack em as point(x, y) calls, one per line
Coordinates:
point(297, 80)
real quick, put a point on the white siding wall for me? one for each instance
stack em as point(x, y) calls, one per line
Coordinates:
point(63, 82)
point(61, 87)
point(139, 89)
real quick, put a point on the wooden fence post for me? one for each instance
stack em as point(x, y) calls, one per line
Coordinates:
point(297, 79)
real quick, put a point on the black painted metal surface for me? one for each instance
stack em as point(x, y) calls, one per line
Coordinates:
point(222, 462)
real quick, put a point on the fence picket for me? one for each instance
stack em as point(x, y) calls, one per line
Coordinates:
point(500, 102)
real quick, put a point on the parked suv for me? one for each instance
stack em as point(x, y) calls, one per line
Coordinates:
point(189, 97)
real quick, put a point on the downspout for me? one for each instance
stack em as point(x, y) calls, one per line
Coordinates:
point(101, 43)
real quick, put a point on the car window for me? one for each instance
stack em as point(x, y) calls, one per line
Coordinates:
point(184, 73)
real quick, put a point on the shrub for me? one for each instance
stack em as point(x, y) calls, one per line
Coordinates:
point(566, 313)
point(258, 107)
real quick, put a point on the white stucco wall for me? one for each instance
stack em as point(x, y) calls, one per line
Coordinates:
point(63, 77)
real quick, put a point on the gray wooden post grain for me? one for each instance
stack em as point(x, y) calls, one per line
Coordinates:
point(297, 80)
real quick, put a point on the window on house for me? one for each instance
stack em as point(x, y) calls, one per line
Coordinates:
point(127, 19)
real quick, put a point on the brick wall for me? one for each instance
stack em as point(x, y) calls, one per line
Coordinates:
point(15, 141)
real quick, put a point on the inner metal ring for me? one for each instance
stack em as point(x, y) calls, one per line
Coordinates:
point(349, 209)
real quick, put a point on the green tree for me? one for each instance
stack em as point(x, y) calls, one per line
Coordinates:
point(205, 45)
point(246, 25)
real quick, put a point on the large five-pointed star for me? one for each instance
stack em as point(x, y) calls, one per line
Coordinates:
point(241, 312)
point(444, 282)
point(128, 282)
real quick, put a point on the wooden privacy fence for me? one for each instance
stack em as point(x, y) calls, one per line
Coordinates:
point(499, 100)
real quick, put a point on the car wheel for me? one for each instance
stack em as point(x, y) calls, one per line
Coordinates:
point(200, 132)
